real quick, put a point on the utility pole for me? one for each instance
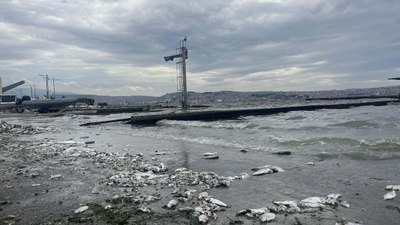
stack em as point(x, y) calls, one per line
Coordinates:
point(34, 91)
point(181, 56)
point(54, 87)
point(47, 84)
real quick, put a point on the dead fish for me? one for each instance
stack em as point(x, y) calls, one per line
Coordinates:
point(287, 206)
point(345, 204)
point(203, 219)
point(186, 209)
point(263, 172)
point(277, 169)
point(144, 209)
point(332, 199)
point(312, 202)
point(55, 176)
point(266, 217)
point(203, 195)
point(218, 202)
point(259, 211)
point(81, 209)
point(282, 153)
point(210, 155)
point(172, 204)
point(292, 204)
point(389, 195)
point(393, 187)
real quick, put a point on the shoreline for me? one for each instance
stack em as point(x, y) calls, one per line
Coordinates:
point(86, 181)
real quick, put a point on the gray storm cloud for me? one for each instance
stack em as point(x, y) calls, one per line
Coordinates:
point(116, 47)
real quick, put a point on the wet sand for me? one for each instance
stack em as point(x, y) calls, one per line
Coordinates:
point(27, 160)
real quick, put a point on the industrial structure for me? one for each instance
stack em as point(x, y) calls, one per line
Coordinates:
point(181, 56)
point(8, 97)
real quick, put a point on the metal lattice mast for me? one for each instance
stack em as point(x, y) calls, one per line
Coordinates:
point(181, 56)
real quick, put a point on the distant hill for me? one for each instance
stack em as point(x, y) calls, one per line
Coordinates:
point(228, 97)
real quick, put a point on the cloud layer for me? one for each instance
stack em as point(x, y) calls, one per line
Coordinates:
point(117, 47)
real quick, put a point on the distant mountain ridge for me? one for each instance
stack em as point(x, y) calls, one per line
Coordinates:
point(210, 98)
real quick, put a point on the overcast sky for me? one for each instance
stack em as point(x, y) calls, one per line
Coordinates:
point(117, 47)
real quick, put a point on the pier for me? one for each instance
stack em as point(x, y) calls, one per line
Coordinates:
point(236, 113)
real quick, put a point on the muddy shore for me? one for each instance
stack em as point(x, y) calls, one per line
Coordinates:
point(48, 175)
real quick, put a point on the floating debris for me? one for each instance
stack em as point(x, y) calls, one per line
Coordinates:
point(390, 195)
point(310, 163)
point(210, 155)
point(81, 209)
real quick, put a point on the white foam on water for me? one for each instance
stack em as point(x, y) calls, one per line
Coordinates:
point(209, 124)
point(197, 140)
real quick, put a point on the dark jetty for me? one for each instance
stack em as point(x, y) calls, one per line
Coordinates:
point(236, 113)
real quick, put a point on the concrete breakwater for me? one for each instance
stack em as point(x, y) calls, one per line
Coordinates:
point(236, 113)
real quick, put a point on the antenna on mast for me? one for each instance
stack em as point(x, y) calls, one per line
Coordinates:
point(181, 56)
